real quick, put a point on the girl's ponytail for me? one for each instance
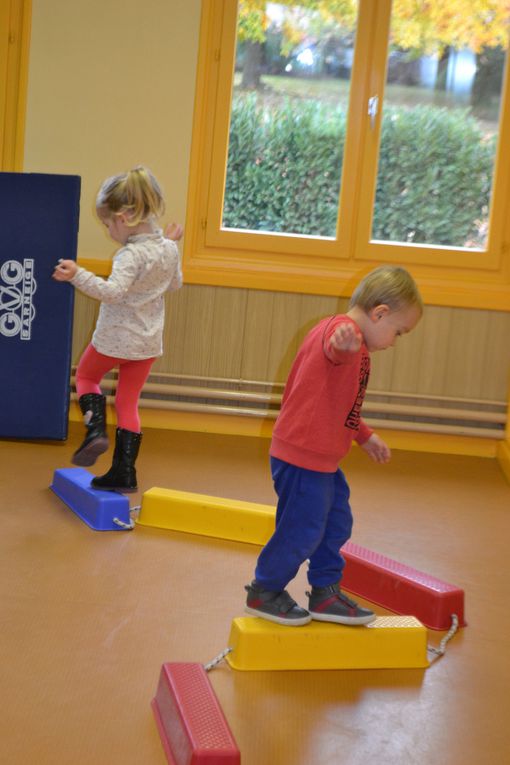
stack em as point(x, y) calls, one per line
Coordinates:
point(135, 193)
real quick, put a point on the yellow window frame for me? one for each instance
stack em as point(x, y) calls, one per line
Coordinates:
point(15, 18)
point(314, 265)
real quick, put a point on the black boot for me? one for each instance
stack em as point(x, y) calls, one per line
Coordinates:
point(93, 407)
point(122, 474)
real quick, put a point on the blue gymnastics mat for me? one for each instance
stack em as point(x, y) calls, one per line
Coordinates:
point(40, 215)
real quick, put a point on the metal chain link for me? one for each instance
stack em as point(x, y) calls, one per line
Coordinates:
point(439, 651)
point(133, 514)
point(217, 660)
point(128, 526)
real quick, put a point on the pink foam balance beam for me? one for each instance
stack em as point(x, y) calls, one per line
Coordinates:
point(400, 588)
point(190, 721)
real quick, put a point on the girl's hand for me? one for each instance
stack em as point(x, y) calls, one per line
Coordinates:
point(65, 270)
point(377, 449)
point(346, 337)
point(174, 231)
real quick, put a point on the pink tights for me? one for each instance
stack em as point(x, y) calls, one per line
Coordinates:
point(132, 375)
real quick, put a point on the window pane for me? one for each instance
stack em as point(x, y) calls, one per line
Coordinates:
point(289, 108)
point(440, 126)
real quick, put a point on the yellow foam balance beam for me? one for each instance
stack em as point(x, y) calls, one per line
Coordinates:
point(390, 642)
point(209, 516)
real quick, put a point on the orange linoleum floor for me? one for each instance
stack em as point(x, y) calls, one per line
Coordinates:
point(88, 618)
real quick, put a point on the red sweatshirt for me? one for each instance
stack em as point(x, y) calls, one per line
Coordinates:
point(320, 414)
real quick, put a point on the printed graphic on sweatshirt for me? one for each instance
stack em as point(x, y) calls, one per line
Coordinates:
point(17, 287)
point(354, 416)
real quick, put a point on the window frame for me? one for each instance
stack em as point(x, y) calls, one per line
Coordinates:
point(15, 18)
point(328, 266)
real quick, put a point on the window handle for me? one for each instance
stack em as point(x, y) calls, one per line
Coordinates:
point(373, 108)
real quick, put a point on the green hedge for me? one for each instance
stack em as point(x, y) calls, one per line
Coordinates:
point(284, 165)
point(284, 168)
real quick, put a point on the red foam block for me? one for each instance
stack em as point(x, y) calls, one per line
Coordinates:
point(190, 721)
point(400, 588)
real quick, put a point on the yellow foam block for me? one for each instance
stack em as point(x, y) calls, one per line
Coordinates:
point(210, 516)
point(387, 643)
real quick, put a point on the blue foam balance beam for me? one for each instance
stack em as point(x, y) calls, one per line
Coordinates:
point(101, 510)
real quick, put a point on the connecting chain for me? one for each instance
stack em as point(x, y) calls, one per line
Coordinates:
point(129, 526)
point(133, 514)
point(217, 660)
point(439, 651)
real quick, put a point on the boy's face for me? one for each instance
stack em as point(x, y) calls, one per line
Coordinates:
point(385, 325)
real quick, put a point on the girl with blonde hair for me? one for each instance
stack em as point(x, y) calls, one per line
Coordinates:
point(129, 329)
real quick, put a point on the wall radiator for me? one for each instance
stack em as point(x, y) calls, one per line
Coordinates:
point(382, 409)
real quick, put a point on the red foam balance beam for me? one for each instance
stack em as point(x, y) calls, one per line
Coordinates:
point(400, 588)
point(190, 721)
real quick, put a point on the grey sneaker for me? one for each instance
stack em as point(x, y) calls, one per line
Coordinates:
point(275, 606)
point(329, 604)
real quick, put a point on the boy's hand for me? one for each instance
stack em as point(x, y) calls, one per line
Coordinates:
point(377, 449)
point(174, 231)
point(65, 270)
point(346, 337)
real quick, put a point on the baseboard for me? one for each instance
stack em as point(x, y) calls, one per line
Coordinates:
point(261, 427)
point(194, 422)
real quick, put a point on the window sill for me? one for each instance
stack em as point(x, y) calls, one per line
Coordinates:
point(473, 289)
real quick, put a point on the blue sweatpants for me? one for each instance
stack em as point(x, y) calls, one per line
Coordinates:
point(313, 520)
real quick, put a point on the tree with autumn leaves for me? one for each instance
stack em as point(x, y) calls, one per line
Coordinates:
point(432, 26)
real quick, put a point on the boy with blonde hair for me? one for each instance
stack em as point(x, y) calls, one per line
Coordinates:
point(319, 418)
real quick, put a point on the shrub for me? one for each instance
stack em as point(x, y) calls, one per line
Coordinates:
point(284, 165)
point(284, 168)
point(434, 178)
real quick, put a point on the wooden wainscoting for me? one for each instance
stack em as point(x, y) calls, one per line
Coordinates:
point(227, 353)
